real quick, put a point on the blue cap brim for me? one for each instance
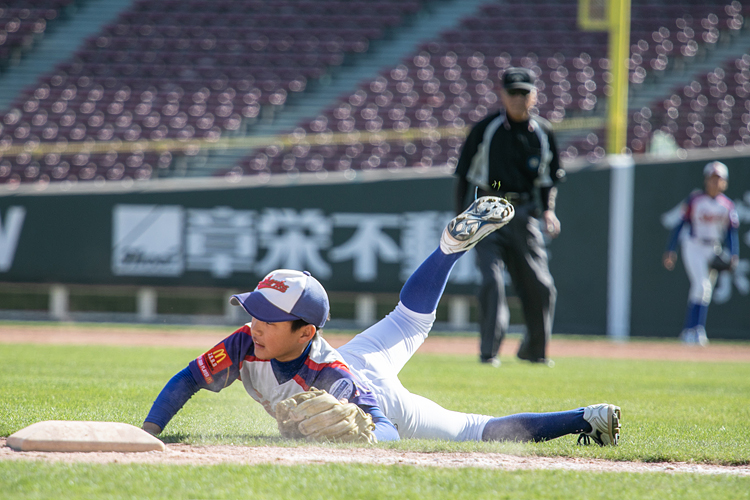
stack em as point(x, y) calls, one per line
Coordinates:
point(260, 308)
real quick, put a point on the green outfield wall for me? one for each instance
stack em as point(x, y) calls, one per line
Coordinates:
point(362, 235)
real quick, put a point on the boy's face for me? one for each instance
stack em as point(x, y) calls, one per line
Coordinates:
point(715, 185)
point(278, 340)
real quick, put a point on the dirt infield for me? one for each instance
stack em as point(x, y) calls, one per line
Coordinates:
point(182, 454)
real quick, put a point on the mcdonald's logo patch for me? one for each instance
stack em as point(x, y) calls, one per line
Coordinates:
point(217, 359)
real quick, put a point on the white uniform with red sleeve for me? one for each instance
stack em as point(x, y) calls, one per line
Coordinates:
point(709, 221)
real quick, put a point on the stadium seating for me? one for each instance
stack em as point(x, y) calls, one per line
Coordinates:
point(452, 82)
point(199, 69)
point(709, 111)
point(183, 70)
point(23, 23)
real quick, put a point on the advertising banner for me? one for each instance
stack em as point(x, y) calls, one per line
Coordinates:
point(368, 237)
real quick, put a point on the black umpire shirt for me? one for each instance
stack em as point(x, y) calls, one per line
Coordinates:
point(518, 160)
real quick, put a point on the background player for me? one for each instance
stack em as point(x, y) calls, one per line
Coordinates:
point(713, 221)
point(281, 353)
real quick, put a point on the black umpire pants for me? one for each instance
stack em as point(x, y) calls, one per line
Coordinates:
point(519, 247)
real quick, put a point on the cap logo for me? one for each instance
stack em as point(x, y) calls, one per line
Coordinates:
point(275, 284)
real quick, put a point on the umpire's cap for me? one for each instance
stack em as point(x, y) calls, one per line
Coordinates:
point(286, 295)
point(518, 78)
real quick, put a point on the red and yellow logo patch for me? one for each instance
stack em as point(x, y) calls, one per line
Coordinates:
point(213, 362)
point(217, 359)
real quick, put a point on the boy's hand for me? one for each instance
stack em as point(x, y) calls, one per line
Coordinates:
point(668, 259)
point(151, 428)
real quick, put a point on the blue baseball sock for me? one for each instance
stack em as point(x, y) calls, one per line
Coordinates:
point(688, 317)
point(536, 426)
point(692, 315)
point(422, 291)
point(702, 315)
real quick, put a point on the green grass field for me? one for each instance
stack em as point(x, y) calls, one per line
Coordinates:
point(672, 411)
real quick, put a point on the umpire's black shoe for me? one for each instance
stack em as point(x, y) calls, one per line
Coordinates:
point(494, 361)
point(540, 361)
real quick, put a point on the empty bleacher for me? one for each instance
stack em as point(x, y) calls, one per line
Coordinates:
point(452, 82)
point(23, 24)
point(710, 110)
point(204, 70)
point(183, 70)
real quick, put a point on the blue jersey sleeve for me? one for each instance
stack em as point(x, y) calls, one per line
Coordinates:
point(384, 429)
point(337, 380)
point(674, 236)
point(733, 240)
point(218, 367)
point(172, 398)
point(213, 370)
point(733, 236)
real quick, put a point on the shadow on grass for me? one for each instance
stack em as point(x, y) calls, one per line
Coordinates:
point(222, 439)
point(257, 441)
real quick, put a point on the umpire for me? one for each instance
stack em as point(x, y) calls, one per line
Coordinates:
point(513, 154)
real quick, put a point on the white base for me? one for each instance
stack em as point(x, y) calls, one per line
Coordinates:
point(75, 436)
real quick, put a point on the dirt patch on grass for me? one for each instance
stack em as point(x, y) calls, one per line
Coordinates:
point(183, 454)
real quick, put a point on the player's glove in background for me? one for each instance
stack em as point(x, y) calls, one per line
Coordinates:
point(722, 262)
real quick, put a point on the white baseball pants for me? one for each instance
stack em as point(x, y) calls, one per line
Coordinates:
point(378, 354)
point(696, 256)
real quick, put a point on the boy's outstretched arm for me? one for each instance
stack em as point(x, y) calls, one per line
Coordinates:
point(171, 399)
point(213, 370)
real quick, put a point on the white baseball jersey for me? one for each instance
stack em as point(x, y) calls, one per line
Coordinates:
point(364, 371)
point(709, 218)
point(268, 381)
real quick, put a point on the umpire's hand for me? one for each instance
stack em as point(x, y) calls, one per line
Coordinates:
point(551, 223)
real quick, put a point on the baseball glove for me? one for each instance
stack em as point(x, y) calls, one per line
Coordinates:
point(317, 416)
point(722, 262)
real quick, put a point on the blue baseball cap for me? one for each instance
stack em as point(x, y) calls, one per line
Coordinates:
point(286, 295)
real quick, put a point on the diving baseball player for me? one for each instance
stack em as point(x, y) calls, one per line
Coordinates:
point(713, 223)
point(353, 393)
